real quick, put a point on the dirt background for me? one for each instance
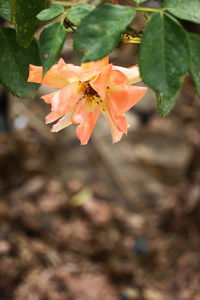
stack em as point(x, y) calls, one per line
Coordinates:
point(102, 221)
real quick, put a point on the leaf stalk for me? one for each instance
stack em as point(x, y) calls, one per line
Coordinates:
point(131, 40)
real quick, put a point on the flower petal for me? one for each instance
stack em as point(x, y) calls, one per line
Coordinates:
point(85, 120)
point(52, 117)
point(120, 122)
point(35, 74)
point(91, 69)
point(65, 99)
point(116, 134)
point(121, 100)
point(62, 123)
point(100, 83)
point(54, 78)
point(61, 74)
point(71, 72)
point(99, 64)
point(131, 73)
point(117, 78)
point(47, 98)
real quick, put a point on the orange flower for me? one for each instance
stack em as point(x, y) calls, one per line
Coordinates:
point(86, 91)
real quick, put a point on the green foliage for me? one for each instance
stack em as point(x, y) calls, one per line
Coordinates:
point(184, 9)
point(50, 13)
point(166, 54)
point(14, 62)
point(78, 12)
point(194, 40)
point(161, 64)
point(5, 10)
point(51, 43)
point(166, 104)
point(23, 13)
point(100, 32)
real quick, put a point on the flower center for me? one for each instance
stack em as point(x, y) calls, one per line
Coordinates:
point(88, 91)
point(91, 97)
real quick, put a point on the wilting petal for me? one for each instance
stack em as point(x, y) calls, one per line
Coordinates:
point(121, 100)
point(35, 74)
point(62, 123)
point(52, 117)
point(65, 99)
point(116, 134)
point(100, 83)
point(131, 73)
point(85, 120)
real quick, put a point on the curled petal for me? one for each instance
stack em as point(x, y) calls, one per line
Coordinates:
point(100, 83)
point(131, 73)
point(35, 74)
point(62, 123)
point(116, 134)
point(86, 121)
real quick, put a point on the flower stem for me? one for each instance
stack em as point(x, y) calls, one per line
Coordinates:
point(149, 9)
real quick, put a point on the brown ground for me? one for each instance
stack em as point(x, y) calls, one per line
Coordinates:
point(103, 221)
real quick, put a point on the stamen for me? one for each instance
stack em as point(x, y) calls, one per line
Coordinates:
point(89, 94)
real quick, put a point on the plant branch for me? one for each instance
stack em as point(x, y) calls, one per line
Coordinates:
point(63, 3)
point(149, 9)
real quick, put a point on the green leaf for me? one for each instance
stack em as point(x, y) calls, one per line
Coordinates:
point(23, 13)
point(51, 43)
point(184, 9)
point(79, 11)
point(14, 63)
point(5, 10)
point(100, 32)
point(164, 55)
point(194, 40)
point(165, 104)
point(50, 13)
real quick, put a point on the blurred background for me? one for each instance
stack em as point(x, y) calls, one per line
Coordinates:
point(102, 221)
